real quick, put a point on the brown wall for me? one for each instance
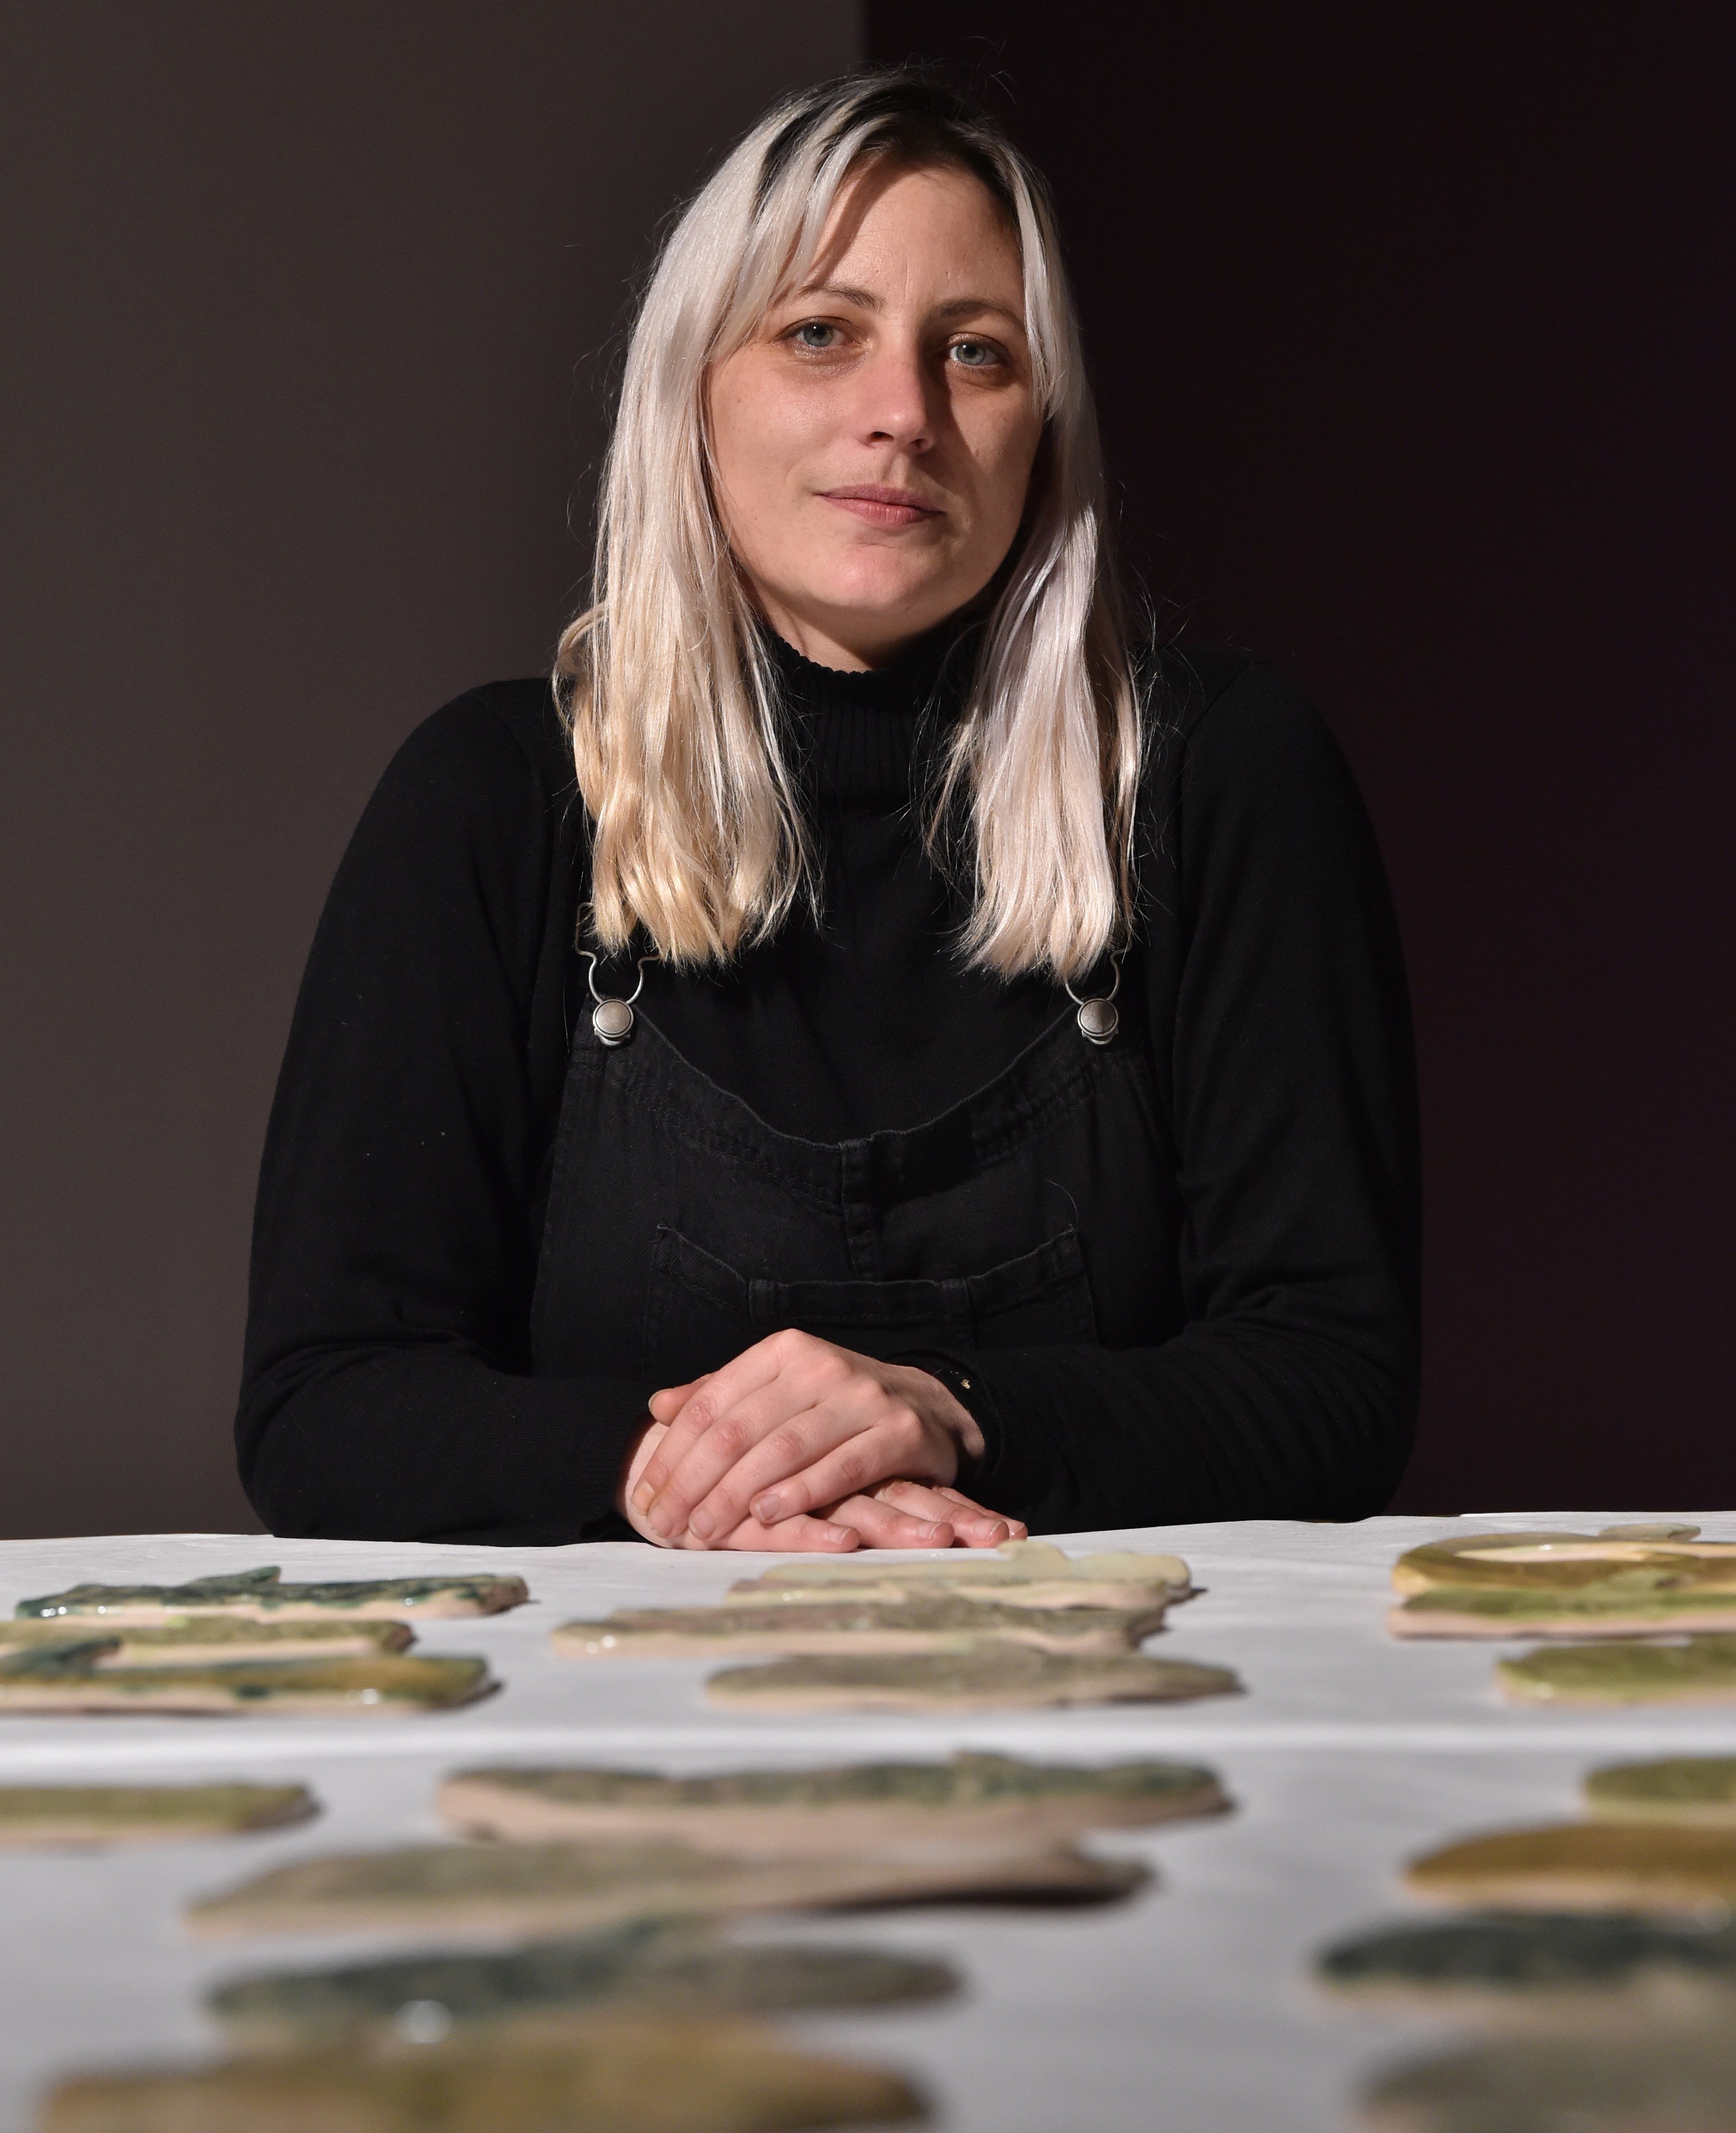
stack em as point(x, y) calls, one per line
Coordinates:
point(294, 297)
point(1413, 329)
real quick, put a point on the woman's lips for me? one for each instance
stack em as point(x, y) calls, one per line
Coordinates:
point(882, 507)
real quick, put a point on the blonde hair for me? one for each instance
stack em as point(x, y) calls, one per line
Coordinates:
point(698, 837)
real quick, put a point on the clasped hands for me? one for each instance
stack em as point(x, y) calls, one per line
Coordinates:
point(800, 1445)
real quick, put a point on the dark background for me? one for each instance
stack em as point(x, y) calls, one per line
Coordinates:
point(1413, 339)
point(307, 311)
point(1412, 330)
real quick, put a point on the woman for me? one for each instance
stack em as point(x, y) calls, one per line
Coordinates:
point(865, 1060)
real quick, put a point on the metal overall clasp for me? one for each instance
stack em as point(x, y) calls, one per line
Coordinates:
point(1098, 1020)
point(612, 1019)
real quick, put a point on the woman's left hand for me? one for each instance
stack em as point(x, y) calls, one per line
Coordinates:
point(795, 1425)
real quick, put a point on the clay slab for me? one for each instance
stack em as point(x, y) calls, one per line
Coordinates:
point(972, 1799)
point(1698, 1670)
point(986, 1676)
point(80, 1679)
point(547, 1888)
point(652, 2077)
point(261, 1593)
point(51, 1816)
point(1587, 1865)
point(643, 1968)
point(920, 1622)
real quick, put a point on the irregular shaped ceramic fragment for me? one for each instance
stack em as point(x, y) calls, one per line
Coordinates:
point(926, 1621)
point(1675, 2081)
point(1649, 1529)
point(1022, 1573)
point(1699, 1670)
point(192, 1639)
point(546, 1889)
point(990, 1674)
point(51, 1815)
point(77, 1678)
point(1557, 1562)
point(642, 1967)
point(262, 1594)
point(1603, 1961)
point(1588, 1865)
point(617, 2077)
point(1634, 1602)
point(972, 1799)
point(1691, 1789)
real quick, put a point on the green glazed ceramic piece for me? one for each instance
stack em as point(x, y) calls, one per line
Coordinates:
point(1636, 1602)
point(51, 1815)
point(1673, 2081)
point(990, 1674)
point(925, 1621)
point(1588, 1865)
point(1652, 1529)
point(972, 1799)
point(1558, 1561)
point(1020, 1574)
point(191, 1640)
point(643, 1968)
point(77, 1678)
point(1692, 1788)
point(549, 1889)
point(1699, 1670)
point(262, 1593)
point(1524, 1956)
point(618, 2076)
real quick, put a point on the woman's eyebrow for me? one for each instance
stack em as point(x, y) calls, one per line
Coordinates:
point(955, 307)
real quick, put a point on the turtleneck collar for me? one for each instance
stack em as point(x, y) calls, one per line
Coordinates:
point(859, 732)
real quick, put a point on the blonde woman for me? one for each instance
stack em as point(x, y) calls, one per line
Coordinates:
point(869, 1056)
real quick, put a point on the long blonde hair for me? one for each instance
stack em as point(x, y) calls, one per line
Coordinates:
point(699, 839)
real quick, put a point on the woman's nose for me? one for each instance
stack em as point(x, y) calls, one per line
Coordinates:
point(895, 405)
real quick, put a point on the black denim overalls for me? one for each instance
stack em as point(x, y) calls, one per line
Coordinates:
point(681, 1227)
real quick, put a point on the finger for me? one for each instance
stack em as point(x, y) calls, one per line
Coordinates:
point(707, 1399)
point(829, 1536)
point(667, 1403)
point(884, 1451)
point(881, 1525)
point(984, 1528)
point(817, 1401)
point(973, 1526)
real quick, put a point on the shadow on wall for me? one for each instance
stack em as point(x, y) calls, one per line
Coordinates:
point(302, 292)
point(1414, 343)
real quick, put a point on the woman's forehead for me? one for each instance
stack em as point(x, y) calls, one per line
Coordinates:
point(892, 223)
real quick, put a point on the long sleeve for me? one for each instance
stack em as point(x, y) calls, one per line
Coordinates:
point(1281, 1027)
point(385, 1390)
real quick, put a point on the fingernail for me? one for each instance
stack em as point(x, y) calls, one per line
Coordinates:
point(701, 1522)
point(768, 1507)
point(643, 1495)
point(659, 1521)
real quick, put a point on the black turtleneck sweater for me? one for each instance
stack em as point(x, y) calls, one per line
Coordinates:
point(386, 1391)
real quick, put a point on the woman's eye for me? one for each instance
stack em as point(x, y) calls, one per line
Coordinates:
point(815, 333)
point(975, 355)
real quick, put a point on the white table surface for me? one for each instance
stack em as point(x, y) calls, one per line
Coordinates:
point(1188, 2007)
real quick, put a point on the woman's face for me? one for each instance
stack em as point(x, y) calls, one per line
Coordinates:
point(873, 441)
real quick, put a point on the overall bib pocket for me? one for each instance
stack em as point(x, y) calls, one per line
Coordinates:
point(700, 1311)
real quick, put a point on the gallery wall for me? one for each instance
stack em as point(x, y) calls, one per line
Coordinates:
point(1413, 331)
point(1413, 336)
point(309, 310)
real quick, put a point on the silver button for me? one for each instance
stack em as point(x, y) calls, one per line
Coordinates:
point(1098, 1020)
point(613, 1020)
